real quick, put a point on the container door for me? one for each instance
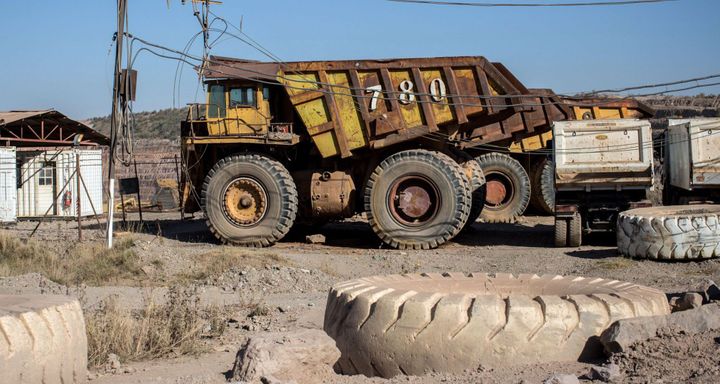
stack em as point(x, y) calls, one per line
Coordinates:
point(46, 179)
point(8, 185)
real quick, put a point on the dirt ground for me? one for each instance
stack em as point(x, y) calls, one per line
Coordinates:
point(294, 284)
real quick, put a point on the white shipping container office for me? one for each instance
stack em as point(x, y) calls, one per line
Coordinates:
point(47, 185)
point(8, 185)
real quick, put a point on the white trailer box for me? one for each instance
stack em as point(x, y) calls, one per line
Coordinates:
point(48, 184)
point(693, 150)
point(603, 154)
point(8, 185)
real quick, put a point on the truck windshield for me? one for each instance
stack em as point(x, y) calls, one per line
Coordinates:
point(216, 100)
point(242, 97)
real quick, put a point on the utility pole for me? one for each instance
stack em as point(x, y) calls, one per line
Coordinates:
point(115, 114)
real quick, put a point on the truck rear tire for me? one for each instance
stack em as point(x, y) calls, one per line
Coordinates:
point(417, 199)
point(508, 188)
point(670, 233)
point(416, 324)
point(249, 200)
point(543, 187)
point(42, 340)
point(479, 190)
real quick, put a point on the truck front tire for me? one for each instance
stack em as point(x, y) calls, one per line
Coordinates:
point(508, 188)
point(417, 199)
point(249, 200)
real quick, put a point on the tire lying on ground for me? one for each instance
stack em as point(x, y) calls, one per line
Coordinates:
point(670, 233)
point(508, 188)
point(417, 199)
point(42, 340)
point(416, 324)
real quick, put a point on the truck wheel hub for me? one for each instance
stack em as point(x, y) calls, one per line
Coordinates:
point(496, 192)
point(413, 200)
point(245, 202)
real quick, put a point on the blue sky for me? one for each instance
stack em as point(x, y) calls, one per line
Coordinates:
point(56, 54)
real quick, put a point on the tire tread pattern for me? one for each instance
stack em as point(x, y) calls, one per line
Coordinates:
point(288, 192)
point(415, 333)
point(662, 234)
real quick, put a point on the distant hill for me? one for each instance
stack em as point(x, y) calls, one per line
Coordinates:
point(165, 123)
point(162, 124)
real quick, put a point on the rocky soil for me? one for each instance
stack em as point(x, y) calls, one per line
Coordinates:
point(284, 288)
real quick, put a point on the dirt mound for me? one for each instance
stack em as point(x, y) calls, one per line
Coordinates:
point(272, 279)
point(673, 358)
point(31, 283)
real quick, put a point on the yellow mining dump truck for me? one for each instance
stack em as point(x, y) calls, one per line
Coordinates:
point(405, 141)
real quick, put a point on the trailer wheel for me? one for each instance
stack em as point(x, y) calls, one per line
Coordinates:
point(249, 200)
point(417, 199)
point(561, 232)
point(543, 187)
point(416, 324)
point(670, 233)
point(508, 188)
point(575, 230)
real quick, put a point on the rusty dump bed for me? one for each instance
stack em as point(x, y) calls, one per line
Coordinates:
point(350, 106)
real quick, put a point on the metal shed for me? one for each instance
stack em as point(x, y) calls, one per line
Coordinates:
point(39, 165)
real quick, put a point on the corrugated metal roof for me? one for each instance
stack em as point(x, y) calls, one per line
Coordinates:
point(10, 119)
point(13, 116)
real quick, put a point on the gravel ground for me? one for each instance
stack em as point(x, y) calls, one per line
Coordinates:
point(294, 280)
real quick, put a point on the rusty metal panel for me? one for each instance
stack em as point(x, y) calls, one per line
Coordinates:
point(608, 153)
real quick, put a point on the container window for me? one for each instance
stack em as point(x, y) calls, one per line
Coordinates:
point(46, 174)
point(217, 101)
point(242, 97)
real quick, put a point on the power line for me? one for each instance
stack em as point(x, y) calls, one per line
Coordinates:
point(491, 5)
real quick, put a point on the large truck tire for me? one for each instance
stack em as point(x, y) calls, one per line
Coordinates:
point(543, 187)
point(479, 190)
point(42, 340)
point(508, 188)
point(417, 324)
point(417, 199)
point(670, 233)
point(249, 200)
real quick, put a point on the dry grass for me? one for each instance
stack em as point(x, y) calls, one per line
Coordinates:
point(216, 262)
point(81, 263)
point(177, 327)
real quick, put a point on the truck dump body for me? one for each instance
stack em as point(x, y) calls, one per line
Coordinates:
point(694, 153)
point(603, 154)
point(349, 106)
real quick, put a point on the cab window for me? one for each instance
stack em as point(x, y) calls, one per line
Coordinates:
point(242, 97)
point(217, 101)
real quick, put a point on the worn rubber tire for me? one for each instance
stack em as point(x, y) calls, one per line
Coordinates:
point(417, 324)
point(543, 187)
point(575, 231)
point(670, 233)
point(282, 200)
point(479, 191)
point(561, 232)
point(513, 171)
point(453, 187)
point(42, 340)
